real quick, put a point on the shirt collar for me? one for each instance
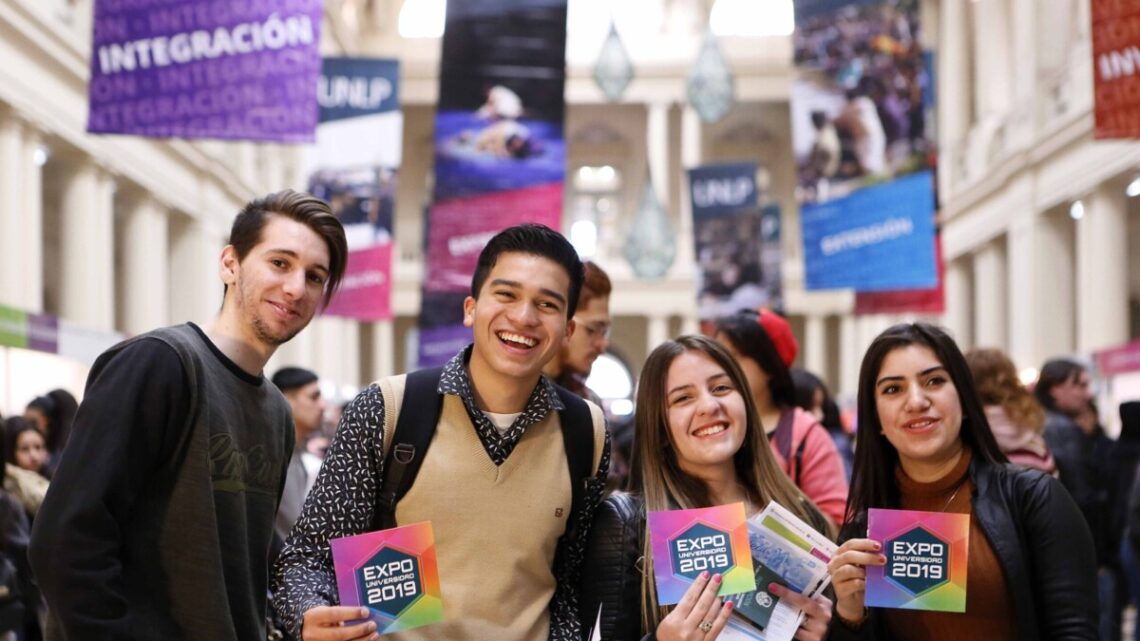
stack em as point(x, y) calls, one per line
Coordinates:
point(456, 380)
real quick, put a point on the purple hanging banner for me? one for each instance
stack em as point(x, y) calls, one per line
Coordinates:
point(500, 155)
point(244, 70)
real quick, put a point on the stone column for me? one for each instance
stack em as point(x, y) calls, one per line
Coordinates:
point(959, 301)
point(383, 349)
point(815, 347)
point(1040, 288)
point(195, 286)
point(11, 201)
point(87, 283)
point(990, 295)
point(145, 277)
point(992, 65)
point(953, 86)
point(657, 332)
point(1102, 270)
point(31, 227)
point(850, 357)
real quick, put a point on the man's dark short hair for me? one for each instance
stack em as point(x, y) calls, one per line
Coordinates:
point(537, 240)
point(290, 378)
point(306, 209)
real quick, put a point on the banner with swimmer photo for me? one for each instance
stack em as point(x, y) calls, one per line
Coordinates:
point(500, 153)
point(244, 70)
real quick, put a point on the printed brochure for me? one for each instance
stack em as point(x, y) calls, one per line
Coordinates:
point(927, 554)
point(786, 551)
point(686, 543)
point(393, 573)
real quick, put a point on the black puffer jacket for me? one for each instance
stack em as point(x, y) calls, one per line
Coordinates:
point(1043, 545)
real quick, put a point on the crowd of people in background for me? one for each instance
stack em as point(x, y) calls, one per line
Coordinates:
point(724, 418)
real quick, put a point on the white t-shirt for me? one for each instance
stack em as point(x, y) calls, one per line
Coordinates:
point(502, 422)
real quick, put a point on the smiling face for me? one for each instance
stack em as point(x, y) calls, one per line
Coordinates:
point(31, 451)
point(519, 320)
point(706, 414)
point(919, 411)
point(274, 291)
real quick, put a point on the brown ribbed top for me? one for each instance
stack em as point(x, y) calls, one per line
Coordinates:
point(989, 610)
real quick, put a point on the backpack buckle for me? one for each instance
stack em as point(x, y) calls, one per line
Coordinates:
point(404, 453)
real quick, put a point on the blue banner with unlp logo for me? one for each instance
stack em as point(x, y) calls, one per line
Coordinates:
point(878, 238)
point(737, 242)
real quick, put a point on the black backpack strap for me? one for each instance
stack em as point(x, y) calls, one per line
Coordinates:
point(800, 456)
point(415, 427)
point(578, 440)
point(782, 435)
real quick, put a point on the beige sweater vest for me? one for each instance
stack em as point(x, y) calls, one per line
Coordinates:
point(496, 527)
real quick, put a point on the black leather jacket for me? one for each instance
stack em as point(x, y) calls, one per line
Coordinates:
point(1045, 550)
point(611, 572)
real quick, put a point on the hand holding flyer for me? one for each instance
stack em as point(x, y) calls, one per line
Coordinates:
point(393, 573)
point(927, 555)
point(790, 553)
point(689, 542)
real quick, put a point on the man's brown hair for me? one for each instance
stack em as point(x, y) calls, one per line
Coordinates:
point(306, 209)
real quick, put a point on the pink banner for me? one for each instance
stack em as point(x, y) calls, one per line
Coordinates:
point(462, 227)
point(1118, 360)
point(366, 291)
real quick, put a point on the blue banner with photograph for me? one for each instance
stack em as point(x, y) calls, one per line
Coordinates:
point(861, 114)
point(878, 238)
point(737, 243)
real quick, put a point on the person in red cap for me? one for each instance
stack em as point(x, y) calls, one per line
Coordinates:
point(764, 347)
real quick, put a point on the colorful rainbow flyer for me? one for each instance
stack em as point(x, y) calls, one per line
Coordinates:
point(926, 555)
point(392, 572)
point(688, 542)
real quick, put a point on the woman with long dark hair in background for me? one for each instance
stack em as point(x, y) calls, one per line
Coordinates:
point(763, 346)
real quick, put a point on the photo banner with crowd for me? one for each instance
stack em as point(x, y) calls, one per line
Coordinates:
point(1116, 68)
point(861, 108)
point(737, 242)
point(354, 167)
point(500, 156)
point(217, 69)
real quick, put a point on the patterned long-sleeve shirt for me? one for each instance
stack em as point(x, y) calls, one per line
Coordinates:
point(343, 501)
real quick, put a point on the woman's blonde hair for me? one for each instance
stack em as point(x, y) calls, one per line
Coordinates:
point(998, 384)
point(656, 475)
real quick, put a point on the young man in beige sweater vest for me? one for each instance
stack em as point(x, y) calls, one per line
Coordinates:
point(495, 482)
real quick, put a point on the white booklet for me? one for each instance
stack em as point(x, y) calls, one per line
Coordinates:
point(787, 551)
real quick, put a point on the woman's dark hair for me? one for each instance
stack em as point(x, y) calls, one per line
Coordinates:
point(536, 240)
point(1057, 371)
point(747, 335)
point(806, 385)
point(59, 407)
point(14, 426)
point(873, 478)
